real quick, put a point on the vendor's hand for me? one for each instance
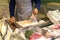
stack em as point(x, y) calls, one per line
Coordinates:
point(12, 19)
point(35, 11)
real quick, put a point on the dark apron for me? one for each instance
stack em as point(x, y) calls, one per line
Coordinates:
point(23, 10)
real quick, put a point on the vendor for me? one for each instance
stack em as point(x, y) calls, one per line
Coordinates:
point(23, 9)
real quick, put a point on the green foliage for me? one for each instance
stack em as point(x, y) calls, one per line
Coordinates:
point(47, 1)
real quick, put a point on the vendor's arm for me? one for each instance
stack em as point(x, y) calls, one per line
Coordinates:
point(12, 7)
point(37, 5)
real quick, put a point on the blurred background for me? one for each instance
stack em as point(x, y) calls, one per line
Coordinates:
point(46, 5)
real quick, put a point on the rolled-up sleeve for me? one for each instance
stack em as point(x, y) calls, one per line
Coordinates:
point(12, 7)
point(37, 3)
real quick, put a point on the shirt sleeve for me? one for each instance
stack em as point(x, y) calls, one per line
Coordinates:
point(37, 3)
point(12, 7)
